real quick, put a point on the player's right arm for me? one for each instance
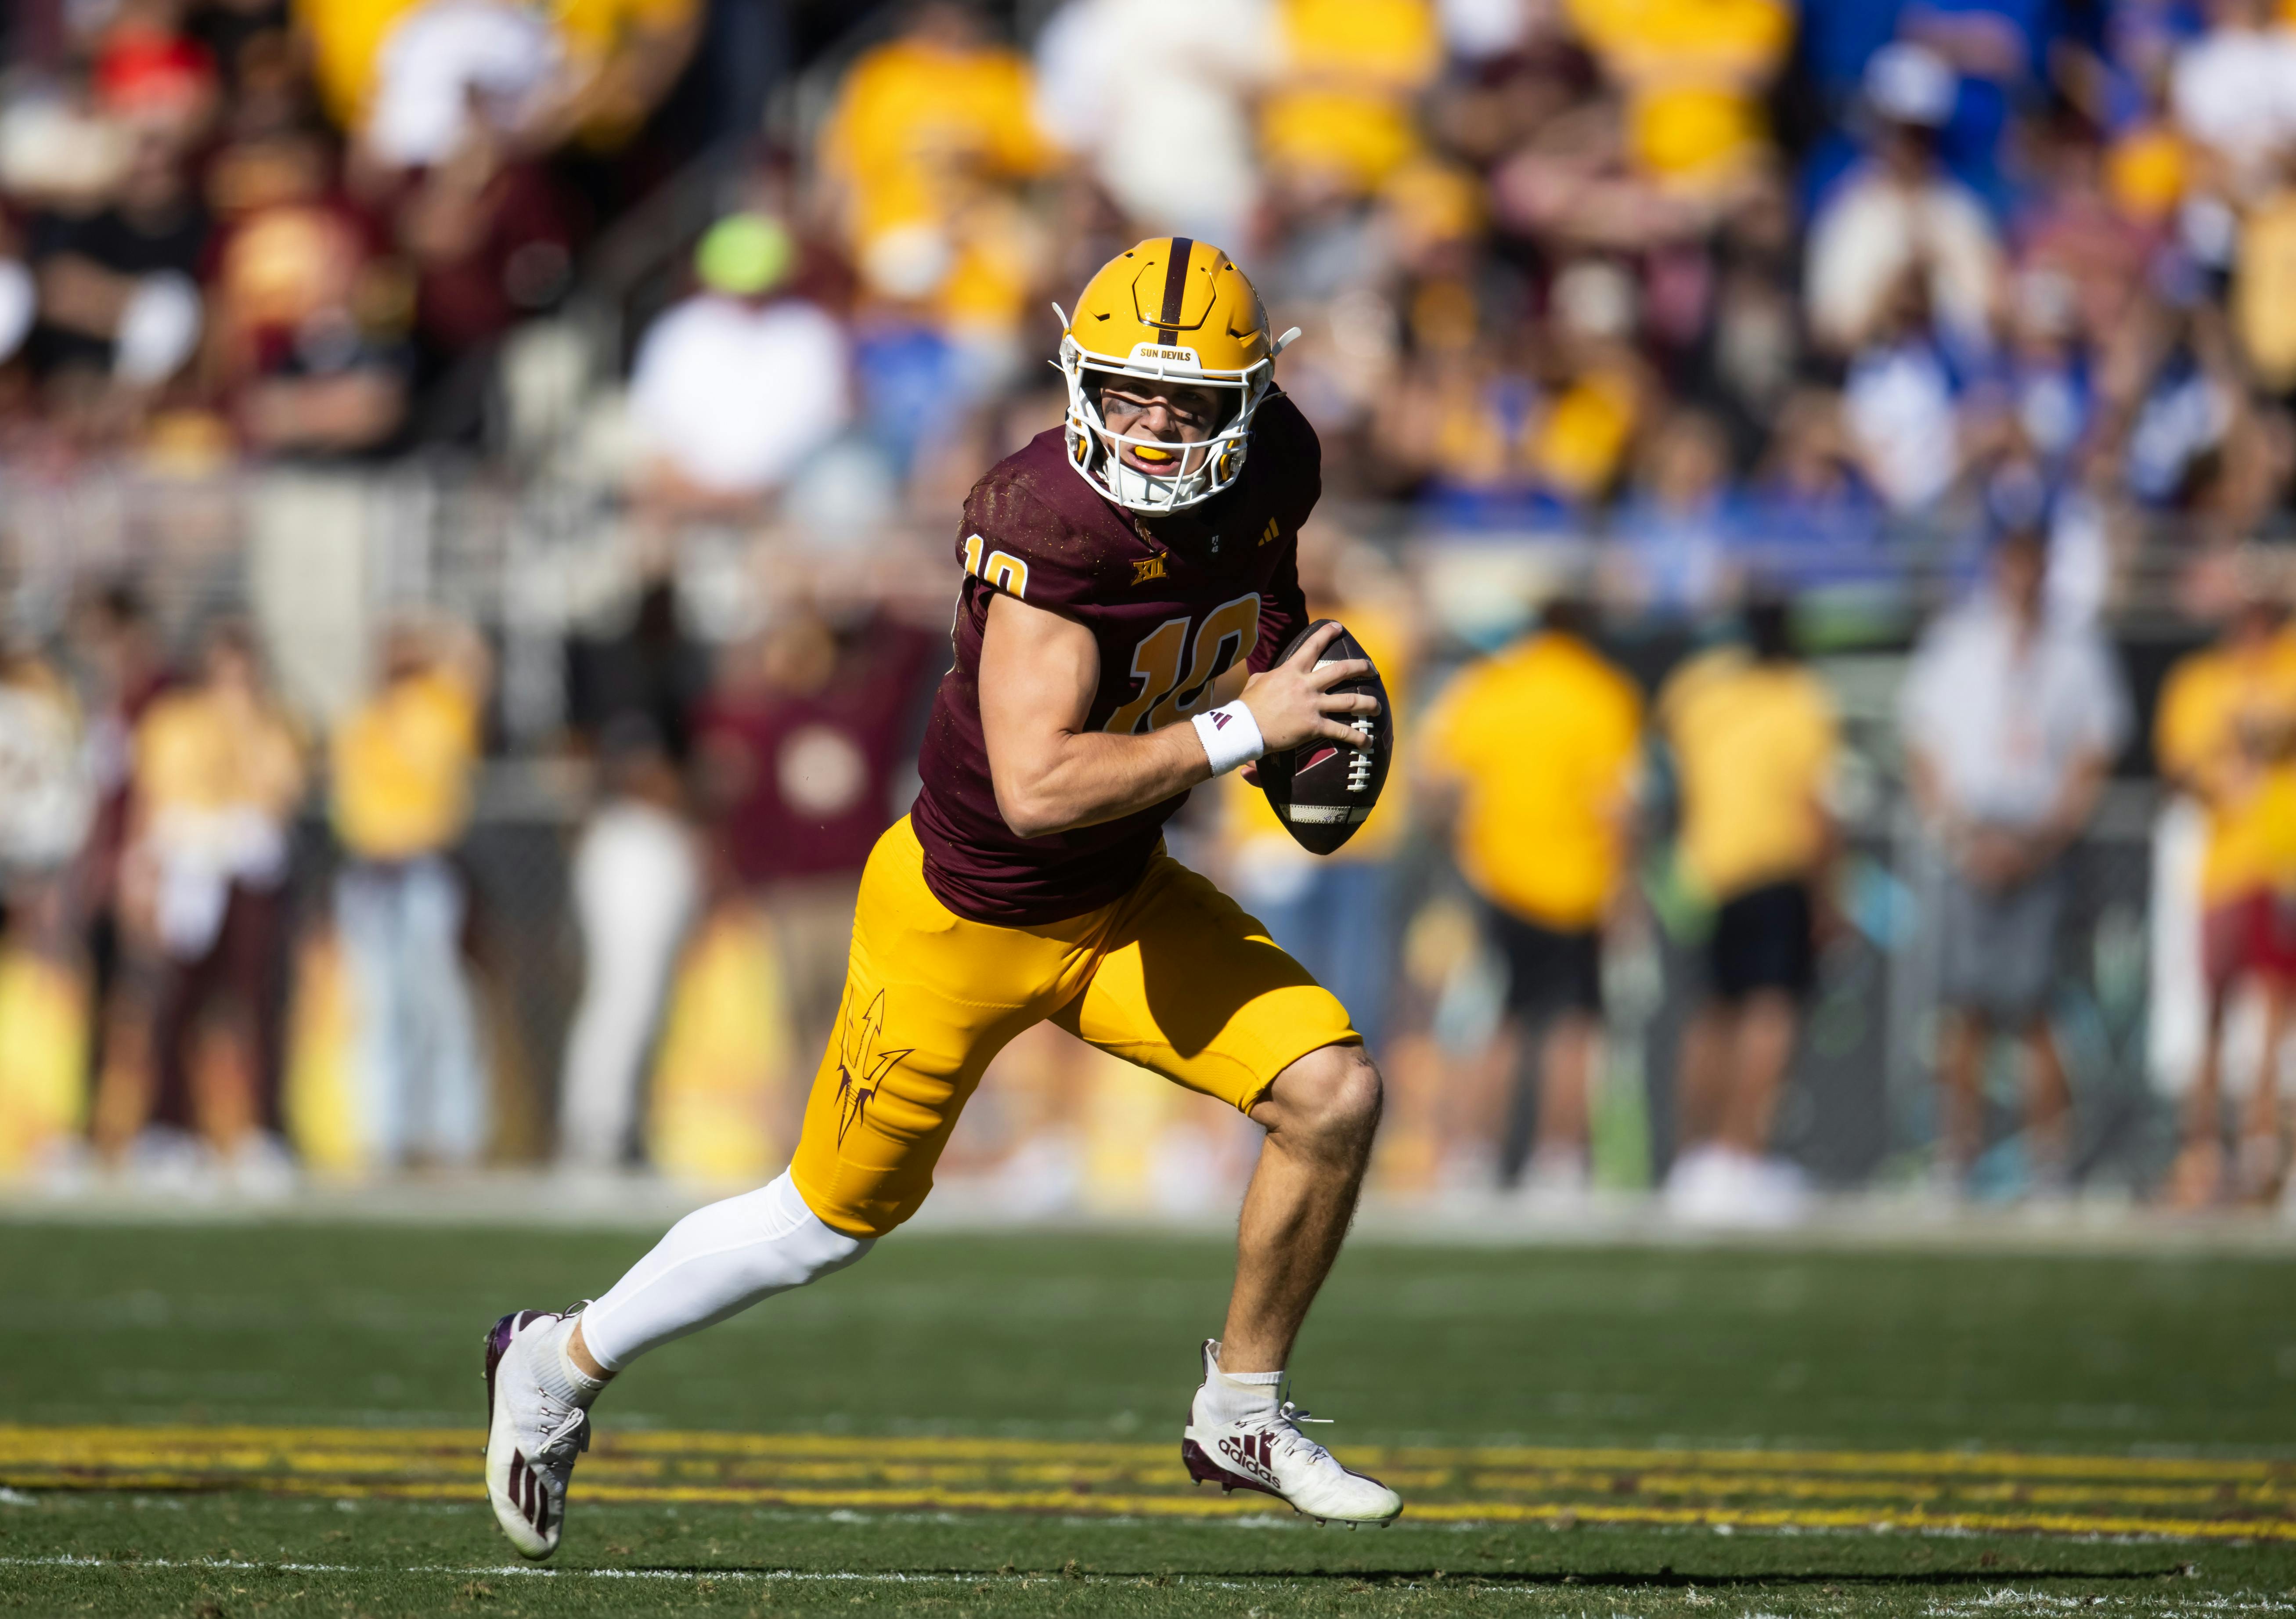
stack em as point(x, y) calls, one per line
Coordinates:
point(1039, 673)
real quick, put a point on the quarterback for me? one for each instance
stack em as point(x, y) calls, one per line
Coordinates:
point(1130, 578)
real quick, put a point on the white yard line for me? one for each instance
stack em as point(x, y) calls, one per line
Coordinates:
point(2004, 1601)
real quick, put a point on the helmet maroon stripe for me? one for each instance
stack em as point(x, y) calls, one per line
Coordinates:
point(1176, 289)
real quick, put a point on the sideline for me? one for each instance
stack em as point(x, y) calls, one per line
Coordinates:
point(1858, 1222)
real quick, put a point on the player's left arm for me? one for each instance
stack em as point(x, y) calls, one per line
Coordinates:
point(1283, 605)
point(1290, 445)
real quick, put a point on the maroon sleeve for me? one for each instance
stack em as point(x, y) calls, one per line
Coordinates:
point(1286, 438)
point(1303, 459)
point(1283, 609)
point(1010, 541)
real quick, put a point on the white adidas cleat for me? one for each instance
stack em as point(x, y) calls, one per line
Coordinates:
point(532, 1438)
point(1268, 1453)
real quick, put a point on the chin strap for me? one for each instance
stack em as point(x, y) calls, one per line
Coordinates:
point(1282, 343)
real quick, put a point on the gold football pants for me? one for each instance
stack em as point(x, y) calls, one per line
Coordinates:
point(1173, 975)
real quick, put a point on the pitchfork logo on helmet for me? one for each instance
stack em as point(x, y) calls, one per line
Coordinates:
point(1168, 310)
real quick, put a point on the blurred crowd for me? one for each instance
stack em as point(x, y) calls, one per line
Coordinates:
point(1741, 287)
point(1738, 302)
point(242, 226)
point(1739, 283)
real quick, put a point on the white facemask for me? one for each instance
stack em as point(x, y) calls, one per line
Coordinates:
point(1200, 471)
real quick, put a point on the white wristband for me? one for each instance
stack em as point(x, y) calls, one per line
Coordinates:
point(1231, 737)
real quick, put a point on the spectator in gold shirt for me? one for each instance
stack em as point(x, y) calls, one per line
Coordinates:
point(402, 768)
point(1338, 119)
point(609, 63)
point(1754, 739)
point(929, 135)
point(1543, 745)
point(2223, 733)
point(217, 776)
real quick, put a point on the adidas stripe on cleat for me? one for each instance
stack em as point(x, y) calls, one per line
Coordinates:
point(532, 1438)
point(1268, 1453)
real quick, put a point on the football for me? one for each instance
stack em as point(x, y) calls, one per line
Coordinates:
point(1323, 792)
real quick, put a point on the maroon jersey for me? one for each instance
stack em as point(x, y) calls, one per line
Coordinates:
point(1172, 608)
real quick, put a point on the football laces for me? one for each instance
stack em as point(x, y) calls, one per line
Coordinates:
point(1359, 763)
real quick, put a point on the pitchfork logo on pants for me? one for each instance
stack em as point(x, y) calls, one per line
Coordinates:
point(862, 1064)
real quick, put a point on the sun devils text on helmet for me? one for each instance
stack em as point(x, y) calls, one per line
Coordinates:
point(1168, 310)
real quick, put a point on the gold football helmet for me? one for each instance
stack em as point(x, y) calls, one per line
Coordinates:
point(1168, 310)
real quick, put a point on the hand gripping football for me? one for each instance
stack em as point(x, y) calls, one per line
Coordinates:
point(1323, 792)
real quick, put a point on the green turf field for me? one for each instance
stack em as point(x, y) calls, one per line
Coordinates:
point(283, 1420)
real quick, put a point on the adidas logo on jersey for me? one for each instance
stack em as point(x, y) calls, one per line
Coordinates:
point(1145, 568)
point(1271, 533)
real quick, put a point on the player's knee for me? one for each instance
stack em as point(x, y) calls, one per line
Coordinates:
point(1333, 1097)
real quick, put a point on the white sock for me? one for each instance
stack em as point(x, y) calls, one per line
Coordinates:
point(1234, 1396)
point(716, 1262)
point(560, 1378)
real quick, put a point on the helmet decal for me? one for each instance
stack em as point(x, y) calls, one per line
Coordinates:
point(1176, 289)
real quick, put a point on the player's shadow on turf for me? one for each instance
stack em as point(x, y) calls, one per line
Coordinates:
point(1641, 1578)
point(1660, 1581)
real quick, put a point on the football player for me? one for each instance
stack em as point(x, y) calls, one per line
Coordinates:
point(1129, 578)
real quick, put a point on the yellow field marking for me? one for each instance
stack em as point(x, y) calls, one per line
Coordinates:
point(1708, 1485)
point(1915, 1518)
point(20, 1441)
point(1993, 1492)
point(1931, 1464)
point(1555, 1513)
point(610, 1463)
